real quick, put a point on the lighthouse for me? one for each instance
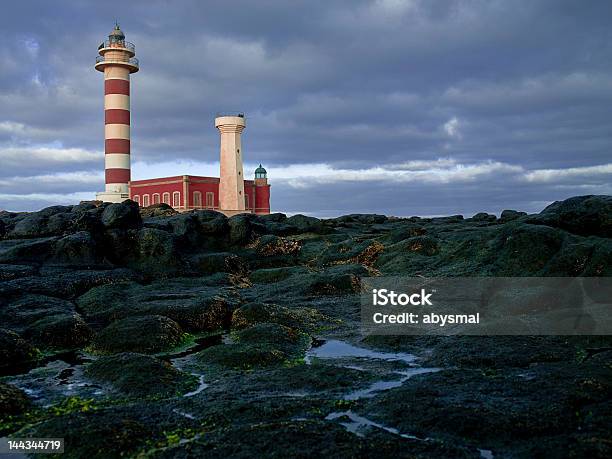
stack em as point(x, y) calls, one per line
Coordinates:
point(116, 60)
point(231, 178)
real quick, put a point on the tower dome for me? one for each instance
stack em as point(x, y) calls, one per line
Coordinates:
point(260, 172)
point(117, 34)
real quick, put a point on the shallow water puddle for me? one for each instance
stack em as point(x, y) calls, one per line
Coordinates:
point(359, 425)
point(336, 349)
point(54, 381)
point(386, 385)
point(201, 386)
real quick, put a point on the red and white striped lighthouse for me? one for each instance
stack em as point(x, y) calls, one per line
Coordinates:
point(117, 61)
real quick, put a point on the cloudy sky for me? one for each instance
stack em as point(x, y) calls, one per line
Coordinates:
point(402, 107)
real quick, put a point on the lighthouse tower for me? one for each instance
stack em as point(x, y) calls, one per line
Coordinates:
point(231, 179)
point(116, 59)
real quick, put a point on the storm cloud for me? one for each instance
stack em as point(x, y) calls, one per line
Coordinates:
point(401, 107)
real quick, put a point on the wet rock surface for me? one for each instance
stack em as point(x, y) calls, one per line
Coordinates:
point(156, 334)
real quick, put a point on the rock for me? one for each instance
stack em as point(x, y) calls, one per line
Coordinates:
point(280, 336)
point(276, 217)
point(13, 401)
point(422, 245)
point(189, 302)
point(23, 311)
point(524, 250)
point(61, 331)
point(8, 272)
point(2, 229)
point(406, 231)
point(260, 345)
point(118, 245)
point(122, 215)
point(484, 217)
point(305, 224)
point(89, 221)
point(210, 263)
point(113, 432)
point(584, 215)
point(76, 249)
point(270, 245)
point(85, 206)
point(364, 219)
point(64, 282)
point(146, 334)
point(269, 275)
point(138, 375)
point(240, 229)
point(33, 225)
point(212, 223)
point(157, 210)
point(509, 215)
point(155, 252)
point(184, 225)
point(51, 221)
point(59, 224)
point(30, 250)
point(257, 313)
point(15, 353)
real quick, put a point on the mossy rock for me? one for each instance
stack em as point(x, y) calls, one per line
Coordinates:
point(16, 353)
point(525, 250)
point(23, 311)
point(157, 210)
point(111, 433)
point(420, 245)
point(267, 275)
point(140, 375)
point(255, 313)
point(60, 331)
point(259, 346)
point(13, 401)
point(241, 356)
point(274, 246)
point(147, 334)
point(279, 336)
point(315, 377)
point(193, 303)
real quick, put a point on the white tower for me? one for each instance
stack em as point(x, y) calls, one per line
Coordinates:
point(231, 180)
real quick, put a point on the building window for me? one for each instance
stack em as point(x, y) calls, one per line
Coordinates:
point(246, 201)
point(197, 199)
point(176, 199)
point(166, 198)
point(145, 200)
point(210, 200)
point(137, 199)
point(156, 198)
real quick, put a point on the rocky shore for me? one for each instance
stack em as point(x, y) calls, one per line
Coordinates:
point(148, 333)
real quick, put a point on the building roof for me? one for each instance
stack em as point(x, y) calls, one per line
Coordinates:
point(117, 32)
point(260, 170)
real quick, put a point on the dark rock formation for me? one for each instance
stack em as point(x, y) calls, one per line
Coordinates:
point(237, 309)
point(147, 334)
point(583, 215)
point(138, 375)
point(13, 401)
point(16, 353)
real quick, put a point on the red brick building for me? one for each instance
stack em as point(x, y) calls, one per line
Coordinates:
point(187, 192)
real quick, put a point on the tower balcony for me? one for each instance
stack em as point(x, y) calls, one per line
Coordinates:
point(122, 60)
point(117, 45)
